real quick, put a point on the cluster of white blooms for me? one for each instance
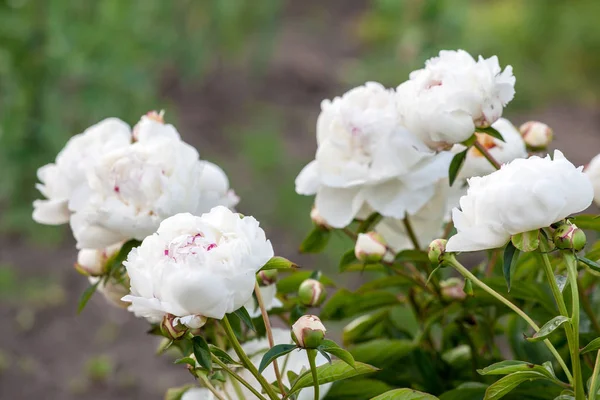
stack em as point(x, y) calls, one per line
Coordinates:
point(113, 183)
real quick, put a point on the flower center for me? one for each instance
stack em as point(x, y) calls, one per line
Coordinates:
point(189, 245)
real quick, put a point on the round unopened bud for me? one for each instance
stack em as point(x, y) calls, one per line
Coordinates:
point(370, 247)
point(308, 332)
point(312, 293)
point(436, 250)
point(318, 220)
point(569, 236)
point(452, 289)
point(537, 135)
point(172, 327)
point(268, 277)
point(94, 262)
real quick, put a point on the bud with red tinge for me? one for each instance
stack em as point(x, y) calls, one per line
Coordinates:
point(537, 135)
point(370, 247)
point(308, 332)
point(569, 236)
point(267, 277)
point(452, 289)
point(172, 328)
point(436, 250)
point(312, 293)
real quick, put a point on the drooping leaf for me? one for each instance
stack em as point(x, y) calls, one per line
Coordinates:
point(275, 352)
point(456, 165)
point(591, 346)
point(186, 360)
point(243, 315)
point(510, 366)
point(316, 241)
point(548, 328)
point(404, 394)
point(526, 241)
point(86, 296)
point(504, 385)
point(324, 354)
point(331, 347)
point(278, 263)
point(492, 132)
point(222, 355)
point(336, 371)
point(202, 352)
point(511, 255)
point(592, 264)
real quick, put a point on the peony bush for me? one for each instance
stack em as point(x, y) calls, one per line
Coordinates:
point(415, 177)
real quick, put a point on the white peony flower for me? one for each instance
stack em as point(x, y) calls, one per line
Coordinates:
point(593, 172)
point(444, 102)
point(296, 361)
point(132, 189)
point(269, 298)
point(195, 267)
point(67, 175)
point(366, 158)
point(524, 195)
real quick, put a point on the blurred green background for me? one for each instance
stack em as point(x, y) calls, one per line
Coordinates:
point(242, 80)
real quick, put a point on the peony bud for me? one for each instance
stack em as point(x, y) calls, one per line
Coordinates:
point(569, 236)
point(172, 328)
point(317, 219)
point(268, 277)
point(308, 332)
point(437, 249)
point(94, 262)
point(452, 289)
point(537, 135)
point(370, 247)
point(312, 293)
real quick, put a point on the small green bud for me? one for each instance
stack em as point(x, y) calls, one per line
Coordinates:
point(569, 236)
point(308, 332)
point(268, 277)
point(312, 293)
point(436, 250)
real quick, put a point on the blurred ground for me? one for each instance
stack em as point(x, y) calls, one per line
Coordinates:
point(49, 352)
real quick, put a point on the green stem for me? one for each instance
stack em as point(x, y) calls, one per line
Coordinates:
point(571, 263)
point(237, 377)
point(246, 361)
point(452, 261)
point(312, 355)
point(411, 233)
point(210, 387)
point(487, 154)
point(595, 383)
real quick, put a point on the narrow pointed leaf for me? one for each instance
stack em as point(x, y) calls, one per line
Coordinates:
point(591, 346)
point(243, 315)
point(202, 352)
point(404, 394)
point(86, 296)
point(336, 371)
point(327, 356)
point(505, 385)
point(332, 347)
point(548, 328)
point(185, 360)
point(511, 254)
point(348, 259)
point(273, 353)
point(222, 355)
point(511, 366)
point(592, 264)
point(316, 241)
point(492, 132)
point(278, 263)
point(369, 223)
point(456, 165)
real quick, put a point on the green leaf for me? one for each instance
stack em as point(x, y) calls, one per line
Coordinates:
point(344, 304)
point(275, 352)
point(511, 254)
point(331, 347)
point(369, 223)
point(592, 264)
point(222, 355)
point(327, 356)
point(186, 360)
point(404, 394)
point(278, 263)
point(526, 241)
point(511, 366)
point(504, 385)
point(202, 352)
point(86, 296)
point(382, 352)
point(468, 288)
point(386, 282)
point(243, 315)
point(492, 132)
point(417, 256)
point(316, 241)
point(349, 258)
point(466, 391)
point(456, 165)
point(336, 371)
point(121, 256)
point(587, 221)
point(357, 388)
point(548, 328)
point(591, 346)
